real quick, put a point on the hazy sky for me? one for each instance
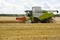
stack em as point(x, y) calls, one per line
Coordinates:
point(19, 6)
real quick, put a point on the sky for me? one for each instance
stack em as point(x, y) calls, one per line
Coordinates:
point(19, 6)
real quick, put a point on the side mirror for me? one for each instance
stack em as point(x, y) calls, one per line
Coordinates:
point(57, 11)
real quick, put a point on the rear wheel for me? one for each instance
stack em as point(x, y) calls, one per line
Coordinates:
point(48, 20)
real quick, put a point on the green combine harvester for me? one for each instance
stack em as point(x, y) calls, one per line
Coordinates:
point(37, 15)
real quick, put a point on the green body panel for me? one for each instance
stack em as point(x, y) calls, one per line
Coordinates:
point(45, 16)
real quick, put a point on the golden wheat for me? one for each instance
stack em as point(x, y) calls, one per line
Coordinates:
point(28, 31)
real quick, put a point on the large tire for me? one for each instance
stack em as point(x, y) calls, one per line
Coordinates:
point(36, 20)
point(48, 20)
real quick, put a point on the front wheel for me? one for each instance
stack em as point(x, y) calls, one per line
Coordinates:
point(36, 20)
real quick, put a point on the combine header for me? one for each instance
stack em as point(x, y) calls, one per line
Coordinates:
point(21, 18)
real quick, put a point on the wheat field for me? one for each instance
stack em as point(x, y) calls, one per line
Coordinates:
point(13, 19)
point(30, 31)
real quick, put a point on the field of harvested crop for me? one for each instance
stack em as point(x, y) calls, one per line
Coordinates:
point(28, 31)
